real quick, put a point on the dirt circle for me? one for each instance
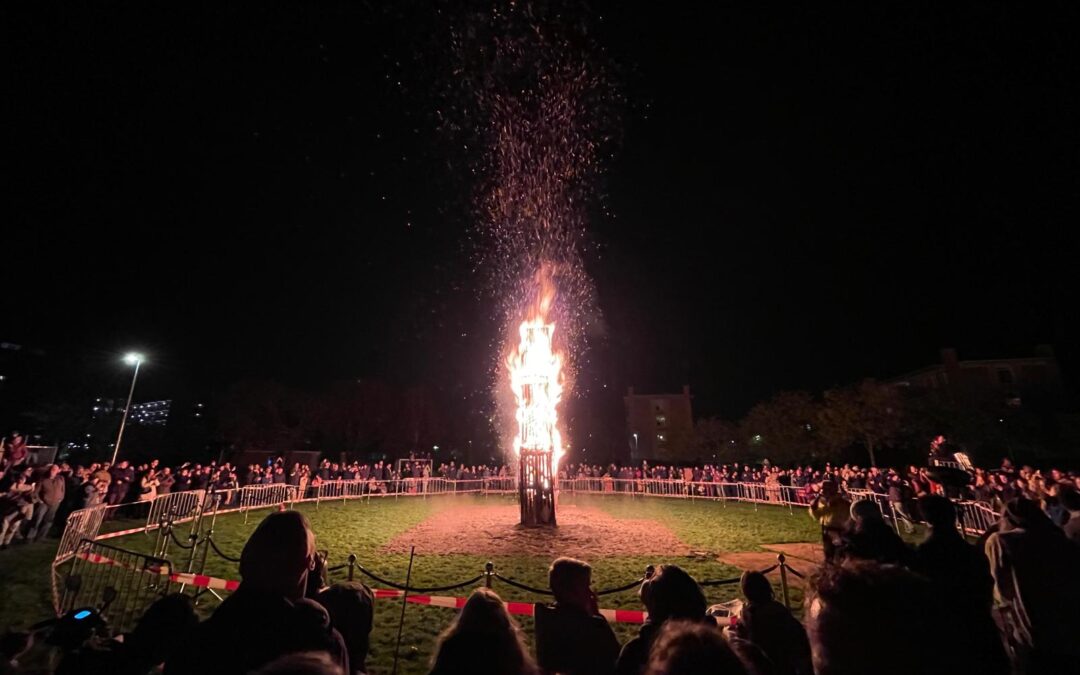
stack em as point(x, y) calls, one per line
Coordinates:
point(493, 529)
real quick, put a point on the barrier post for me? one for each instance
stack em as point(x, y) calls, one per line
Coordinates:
point(782, 560)
point(489, 571)
point(352, 565)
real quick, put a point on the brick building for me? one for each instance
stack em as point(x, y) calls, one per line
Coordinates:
point(659, 427)
point(1013, 382)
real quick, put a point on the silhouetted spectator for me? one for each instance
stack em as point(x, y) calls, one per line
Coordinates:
point(770, 625)
point(302, 663)
point(865, 618)
point(13, 644)
point(832, 511)
point(571, 636)
point(267, 616)
point(670, 593)
point(960, 574)
point(351, 606)
point(692, 648)
point(163, 630)
point(482, 640)
point(1070, 499)
point(869, 537)
point(959, 569)
point(1035, 569)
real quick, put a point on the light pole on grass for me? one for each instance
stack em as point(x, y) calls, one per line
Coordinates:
point(132, 359)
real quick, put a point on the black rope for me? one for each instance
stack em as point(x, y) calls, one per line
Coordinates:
point(410, 589)
point(620, 589)
point(734, 580)
point(795, 572)
point(523, 587)
point(219, 552)
point(178, 542)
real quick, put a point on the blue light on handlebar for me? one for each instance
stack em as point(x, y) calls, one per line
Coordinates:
point(82, 614)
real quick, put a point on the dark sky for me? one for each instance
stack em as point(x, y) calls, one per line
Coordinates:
point(802, 196)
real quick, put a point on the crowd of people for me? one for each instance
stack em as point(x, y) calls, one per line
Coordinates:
point(902, 487)
point(1006, 604)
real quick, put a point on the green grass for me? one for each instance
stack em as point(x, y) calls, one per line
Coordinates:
point(363, 527)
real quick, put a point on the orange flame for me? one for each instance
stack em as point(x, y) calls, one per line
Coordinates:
point(536, 376)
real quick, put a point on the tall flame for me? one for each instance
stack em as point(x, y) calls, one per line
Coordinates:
point(536, 375)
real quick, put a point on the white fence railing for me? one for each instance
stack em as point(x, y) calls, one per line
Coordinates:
point(975, 517)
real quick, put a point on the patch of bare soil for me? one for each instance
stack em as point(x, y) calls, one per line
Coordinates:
point(494, 530)
point(805, 558)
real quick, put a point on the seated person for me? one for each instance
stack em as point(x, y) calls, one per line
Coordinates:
point(351, 606)
point(482, 640)
point(771, 626)
point(571, 636)
point(670, 593)
point(693, 648)
point(267, 616)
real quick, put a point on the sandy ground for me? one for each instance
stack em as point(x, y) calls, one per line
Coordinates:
point(493, 530)
point(803, 557)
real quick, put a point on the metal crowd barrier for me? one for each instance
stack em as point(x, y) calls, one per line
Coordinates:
point(976, 517)
point(119, 583)
point(260, 496)
point(175, 506)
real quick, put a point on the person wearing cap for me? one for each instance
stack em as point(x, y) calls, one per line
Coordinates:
point(832, 511)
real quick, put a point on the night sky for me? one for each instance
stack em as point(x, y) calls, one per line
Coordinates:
point(801, 197)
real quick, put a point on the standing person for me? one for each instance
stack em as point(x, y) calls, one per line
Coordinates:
point(1037, 588)
point(48, 495)
point(572, 637)
point(147, 486)
point(1070, 499)
point(16, 507)
point(15, 451)
point(832, 511)
point(166, 480)
point(122, 477)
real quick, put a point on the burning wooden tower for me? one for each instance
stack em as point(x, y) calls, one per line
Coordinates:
point(536, 372)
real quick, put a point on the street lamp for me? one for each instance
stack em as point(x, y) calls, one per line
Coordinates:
point(132, 359)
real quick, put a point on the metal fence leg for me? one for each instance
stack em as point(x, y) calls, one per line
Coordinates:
point(782, 560)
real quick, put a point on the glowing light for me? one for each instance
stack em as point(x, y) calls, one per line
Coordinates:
point(535, 367)
point(133, 358)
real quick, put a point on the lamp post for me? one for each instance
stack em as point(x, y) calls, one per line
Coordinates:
point(132, 359)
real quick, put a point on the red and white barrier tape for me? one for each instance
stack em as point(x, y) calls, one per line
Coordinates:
point(447, 601)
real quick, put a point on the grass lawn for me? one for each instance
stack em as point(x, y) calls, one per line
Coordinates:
point(707, 528)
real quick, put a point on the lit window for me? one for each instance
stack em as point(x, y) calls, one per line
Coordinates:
point(661, 437)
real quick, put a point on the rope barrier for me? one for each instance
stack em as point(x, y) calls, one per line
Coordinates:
point(219, 552)
point(412, 589)
point(522, 586)
point(179, 543)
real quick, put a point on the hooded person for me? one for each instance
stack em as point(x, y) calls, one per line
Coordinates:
point(268, 616)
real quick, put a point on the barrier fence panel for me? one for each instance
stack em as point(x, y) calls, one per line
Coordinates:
point(260, 496)
point(975, 517)
point(175, 506)
point(120, 583)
